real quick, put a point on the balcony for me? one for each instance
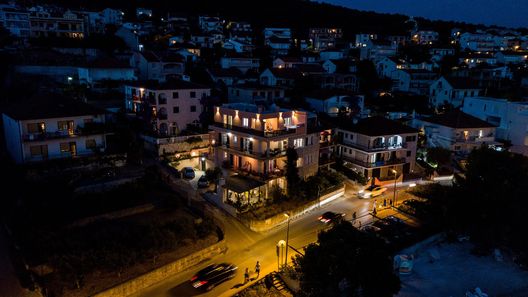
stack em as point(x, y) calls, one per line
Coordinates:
point(362, 163)
point(269, 154)
point(258, 133)
point(383, 147)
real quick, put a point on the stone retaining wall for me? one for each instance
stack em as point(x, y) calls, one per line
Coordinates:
point(148, 279)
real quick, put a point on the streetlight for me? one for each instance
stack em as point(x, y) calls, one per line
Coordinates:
point(394, 197)
point(287, 238)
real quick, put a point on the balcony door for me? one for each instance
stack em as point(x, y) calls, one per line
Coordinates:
point(65, 126)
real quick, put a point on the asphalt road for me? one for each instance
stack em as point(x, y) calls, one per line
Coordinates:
point(245, 247)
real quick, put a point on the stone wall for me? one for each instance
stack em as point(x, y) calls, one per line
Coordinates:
point(146, 280)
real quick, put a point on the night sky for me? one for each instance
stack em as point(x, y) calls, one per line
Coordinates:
point(509, 13)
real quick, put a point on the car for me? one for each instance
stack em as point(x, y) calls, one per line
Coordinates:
point(203, 182)
point(370, 229)
point(188, 172)
point(331, 217)
point(213, 275)
point(372, 191)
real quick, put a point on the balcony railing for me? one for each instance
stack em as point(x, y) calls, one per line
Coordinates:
point(378, 163)
point(383, 147)
point(89, 129)
point(268, 154)
point(257, 132)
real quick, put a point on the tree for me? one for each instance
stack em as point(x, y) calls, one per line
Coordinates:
point(292, 173)
point(344, 255)
point(438, 156)
point(214, 175)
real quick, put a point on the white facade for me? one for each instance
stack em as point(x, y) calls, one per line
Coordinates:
point(170, 107)
point(31, 140)
point(90, 76)
point(15, 21)
point(425, 37)
point(242, 63)
point(442, 92)
point(413, 81)
point(511, 119)
point(331, 55)
point(333, 104)
point(477, 42)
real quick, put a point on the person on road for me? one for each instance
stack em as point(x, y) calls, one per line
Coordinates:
point(257, 269)
point(246, 276)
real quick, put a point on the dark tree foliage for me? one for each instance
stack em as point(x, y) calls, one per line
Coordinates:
point(347, 262)
point(492, 198)
point(292, 173)
point(438, 155)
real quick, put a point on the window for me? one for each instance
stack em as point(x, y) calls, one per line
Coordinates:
point(193, 94)
point(39, 150)
point(90, 143)
point(36, 127)
point(176, 109)
point(346, 135)
point(298, 142)
point(175, 95)
point(193, 108)
point(287, 122)
point(245, 122)
point(409, 153)
point(65, 126)
point(410, 138)
point(65, 147)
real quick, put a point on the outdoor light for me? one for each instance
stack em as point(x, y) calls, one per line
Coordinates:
point(203, 159)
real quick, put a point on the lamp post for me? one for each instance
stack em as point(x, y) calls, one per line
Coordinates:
point(394, 197)
point(287, 238)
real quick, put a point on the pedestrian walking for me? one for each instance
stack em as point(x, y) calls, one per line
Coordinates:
point(374, 211)
point(246, 276)
point(354, 216)
point(384, 202)
point(374, 206)
point(257, 269)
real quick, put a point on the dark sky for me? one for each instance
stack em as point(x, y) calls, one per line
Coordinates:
point(509, 13)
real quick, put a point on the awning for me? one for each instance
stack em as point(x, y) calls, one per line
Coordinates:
point(241, 184)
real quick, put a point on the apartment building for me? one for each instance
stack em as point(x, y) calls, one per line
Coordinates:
point(45, 23)
point(167, 108)
point(48, 129)
point(252, 141)
point(376, 145)
point(323, 38)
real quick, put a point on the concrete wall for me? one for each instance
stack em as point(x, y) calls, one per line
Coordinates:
point(139, 283)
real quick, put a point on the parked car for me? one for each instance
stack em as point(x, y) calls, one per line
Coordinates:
point(188, 172)
point(370, 229)
point(203, 182)
point(372, 191)
point(213, 275)
point(331, 217)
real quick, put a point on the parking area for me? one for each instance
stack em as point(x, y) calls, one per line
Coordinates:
point(197, 165)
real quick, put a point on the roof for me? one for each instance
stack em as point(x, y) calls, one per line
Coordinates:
point(225, 72)
point(107, 63)
point(168, 85)
point(513, 53)
point(254, 86)
point(48, 107)
point(324, 94)
point(462, 83)
point(458, 119)
point(275, 39)
point(378, 126)
point(241, 184)
point(291, 59)
point(150, 56)
point(288, 73)
point(309, 68)
point(411, 71)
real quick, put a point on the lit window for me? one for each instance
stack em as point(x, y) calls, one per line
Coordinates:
point(245, 122)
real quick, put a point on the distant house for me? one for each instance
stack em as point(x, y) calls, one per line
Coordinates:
point(285, 77)
point(237, 46)
point(279, 46)
point(286, 62)
point(15, 20)
point(487, 76)
point(331, 54)
point(129, 37)
point(425, 37)
point(102, 70)
point(452, 91)
point(438, 53)
point(167, 107)
point(478, 42)
point(511, 57)
point(240, 32)
point(510, 118)
point(152, 66)
point(345, 81)
point(474, 59)
point(416, 81)
point(341, 66)
point(456, 131)
point(208, 24)
point(363, 39)
point(241, 62)
point(375, 146)
point(309, 68)
point(44, 23)
point(386, 66)
point(376, 50)
point(53, 129)
point(323, 38)
point(253, 93)
point(334, 101)
point(225, 76)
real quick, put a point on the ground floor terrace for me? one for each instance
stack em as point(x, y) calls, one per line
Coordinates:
point(241, 190)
